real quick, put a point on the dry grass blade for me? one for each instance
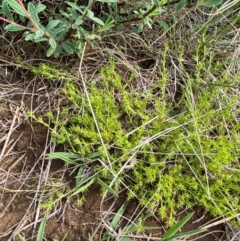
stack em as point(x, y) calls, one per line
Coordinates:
point(9, 133)
point(224, 220)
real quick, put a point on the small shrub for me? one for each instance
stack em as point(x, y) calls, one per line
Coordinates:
point(75, 25)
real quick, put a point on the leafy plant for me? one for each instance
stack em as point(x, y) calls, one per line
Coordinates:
point(180, 161)
point(169, 153)
point(53, 193)
point(69, 29)
point(83, 179)
point(64, 33)
point(172, 234)
point(125, 234)
point(126, 231)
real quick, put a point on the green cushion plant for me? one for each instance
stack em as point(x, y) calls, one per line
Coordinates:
point(166, 160)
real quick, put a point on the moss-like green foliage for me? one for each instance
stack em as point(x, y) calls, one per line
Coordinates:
point(169, 155)
point(47, 71)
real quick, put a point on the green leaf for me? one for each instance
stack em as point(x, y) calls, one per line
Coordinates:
point(90, 14)
point(211, 3)
point(84, 187)
point(90, 238)
point(7, 11)
point(172, 231)
point(94, 155)
point(36, 19)
point(115, 222)
point(22, 18)
point(30, 36)
point(60, 30)
point(92, 37)
point(75, 6)
point(65, 236)
point(41, 39)
point(39, 33)
point(52, 24)
point(180, 5)
point(118, 216)
point(50, 52)
point(79, 176)
point(58, 50)
point(33, 13)
point(78, 21)
point(129, 228)
point(52, 43)
point(97, 20)
point(64, 13)
point(68, 46)
point(65, 156)
point(39, 8)
point(106, 187)
point(21, 237)
point(13, 28)
point(74, 13)
point(41, 229)
point(163, 24)
point(16, 7)
point(188, 234)
point(107, 25)
point(31, 8)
